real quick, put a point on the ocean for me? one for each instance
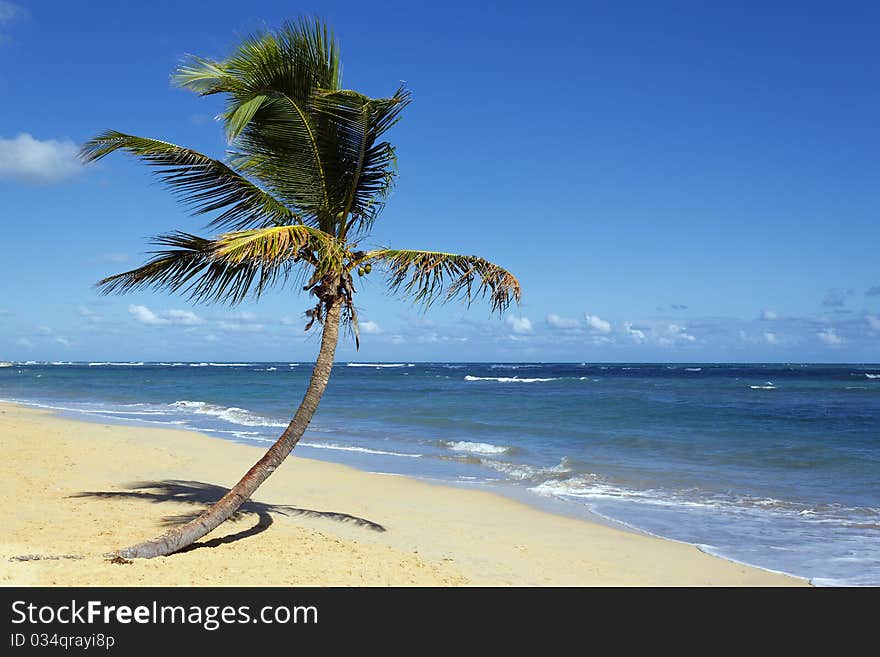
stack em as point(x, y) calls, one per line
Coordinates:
point(773, 465)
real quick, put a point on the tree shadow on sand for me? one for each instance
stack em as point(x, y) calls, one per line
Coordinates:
point(198, 493)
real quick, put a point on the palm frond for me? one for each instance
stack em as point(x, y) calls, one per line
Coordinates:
point(270, 79)
point(202, 183)
point(278, 147)
point(361, 169)
point(428, 275)
point(203, 76)
point(273, 246)
point(192, 265)
point(293, 129)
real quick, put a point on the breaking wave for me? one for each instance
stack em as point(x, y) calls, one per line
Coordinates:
point(231, 414)
point(505, 379)
point(365, 450)
point(475, 448)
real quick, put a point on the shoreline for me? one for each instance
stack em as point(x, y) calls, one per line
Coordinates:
point(549, 504)
point(434, 535)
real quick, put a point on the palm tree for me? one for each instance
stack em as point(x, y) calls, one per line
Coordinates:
point(305, 177)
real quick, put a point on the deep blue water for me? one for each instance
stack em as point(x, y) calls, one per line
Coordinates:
point(773, 465)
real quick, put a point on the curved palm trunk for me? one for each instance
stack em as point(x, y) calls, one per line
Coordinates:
point(184, 535)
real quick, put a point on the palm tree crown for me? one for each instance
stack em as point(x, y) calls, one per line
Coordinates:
point(305, 177)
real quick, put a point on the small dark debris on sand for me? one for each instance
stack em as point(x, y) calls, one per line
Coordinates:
point(120, 560)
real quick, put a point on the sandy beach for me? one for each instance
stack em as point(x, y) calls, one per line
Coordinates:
point(78, 490)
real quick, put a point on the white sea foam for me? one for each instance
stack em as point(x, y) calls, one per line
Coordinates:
point(365, 450)
point(244, 435)
point(531, 473)
point(231, 414)
point(504, 379)
point(505, 366)
point(89, 411)
point(230, 364)
point(693, 369)
point(380, 365)
point(872, 376)
point(769, 386)
point(475, 448)
point(116, 364)
point(591, 487)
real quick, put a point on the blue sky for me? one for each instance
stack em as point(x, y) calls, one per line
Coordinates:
point(669, 181)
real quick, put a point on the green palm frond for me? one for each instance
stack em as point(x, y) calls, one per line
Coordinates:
point(278, 147)
point(428, 275)
point(313, 145)
point(202, 183)
point(203, 76)
point(192, 265)
point(273, 246)
point(269, 81)
point(295, 60)
point(362, 168)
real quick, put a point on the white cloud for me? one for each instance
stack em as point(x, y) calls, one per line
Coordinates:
point(674, 334)
point(62, 341)
point(24, 342)
point(176, 317)
point(680, 333)
point(29, 160)
point(370, 327)
point(243, 316)
point(146, 316)
point(596, 323)
point(90, 315)
point(829, 336)
point(44, 330)
point(636, 335)
point(768, 315)
point(770, 337)
point(520, 324)
point(873, 322)
point(235, 326)
point(562, 322)
point(184, 317)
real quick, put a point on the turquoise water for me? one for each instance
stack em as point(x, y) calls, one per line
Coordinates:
point(773, 465)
